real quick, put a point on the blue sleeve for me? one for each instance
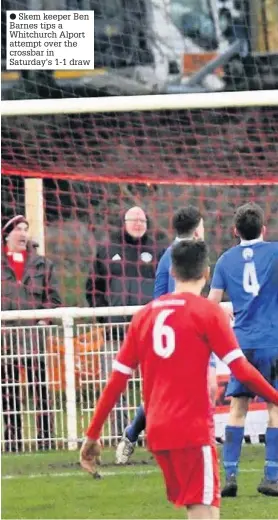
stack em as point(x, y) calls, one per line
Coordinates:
point(161, 277)
point(218, 279)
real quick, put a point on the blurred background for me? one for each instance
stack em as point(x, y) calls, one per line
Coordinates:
point(144, 46)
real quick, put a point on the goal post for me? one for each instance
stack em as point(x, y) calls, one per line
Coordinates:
point(34, 211)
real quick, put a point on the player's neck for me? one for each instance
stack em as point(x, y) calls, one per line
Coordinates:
point(189, 287)
point(251, 242)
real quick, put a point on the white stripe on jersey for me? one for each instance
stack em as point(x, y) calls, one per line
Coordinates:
point(235, 354)
point(121, 368)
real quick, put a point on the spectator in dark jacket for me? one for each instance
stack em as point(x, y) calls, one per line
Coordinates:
point(28, 282)
point(123, 274)
point(124, 270)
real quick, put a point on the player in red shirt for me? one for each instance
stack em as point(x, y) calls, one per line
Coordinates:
point(172, 339)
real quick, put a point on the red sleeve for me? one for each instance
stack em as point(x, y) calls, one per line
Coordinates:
point(111, 393)
point(220, 335)
point(127, 358)
point(249, 376)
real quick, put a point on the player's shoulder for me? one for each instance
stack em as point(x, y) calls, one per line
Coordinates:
point(249, 248)
point(212, 314)
point(144, 312)
point(238, 250)
point(203, 308)
point(164, 301)
point(207, 312)
point(168, 250)
point(209, 307)
point(166, 254)
point(170, 247)
point(270, 253)
point(245, 251)
point(272, 246)
point(228, 255)
point(197, 303)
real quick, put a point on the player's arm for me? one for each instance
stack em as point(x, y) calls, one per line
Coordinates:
point(223, 342)
point(125, 362)
point(162, 276)
point(218, 284)
point(216, 295)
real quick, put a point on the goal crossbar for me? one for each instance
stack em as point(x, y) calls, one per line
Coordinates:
point(140, 103)
point(76, 312)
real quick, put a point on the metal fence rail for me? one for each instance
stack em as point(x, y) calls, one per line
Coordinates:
point(51, 378)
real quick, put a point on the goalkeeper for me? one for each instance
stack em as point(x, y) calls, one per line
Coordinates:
point(188, 224)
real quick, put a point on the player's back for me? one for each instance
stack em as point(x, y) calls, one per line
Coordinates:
point(164, 282)
point(250, 276)
point(174, 355)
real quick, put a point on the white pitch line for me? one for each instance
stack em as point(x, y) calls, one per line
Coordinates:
point(104, 473)
point(80, 473)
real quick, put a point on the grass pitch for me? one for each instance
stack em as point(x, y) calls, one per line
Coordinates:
point(52, 485)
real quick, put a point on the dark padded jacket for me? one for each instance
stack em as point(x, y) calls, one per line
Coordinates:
point(124, 272)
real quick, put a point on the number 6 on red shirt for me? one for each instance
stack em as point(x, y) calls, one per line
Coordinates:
point(164, 348)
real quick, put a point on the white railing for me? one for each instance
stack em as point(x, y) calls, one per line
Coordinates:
point(52, 376)
point(64, 313)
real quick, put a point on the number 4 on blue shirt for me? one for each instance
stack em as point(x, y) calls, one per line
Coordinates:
point(248, 273)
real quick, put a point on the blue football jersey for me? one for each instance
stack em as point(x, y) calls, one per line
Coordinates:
point(248, 273)
point(164, 283)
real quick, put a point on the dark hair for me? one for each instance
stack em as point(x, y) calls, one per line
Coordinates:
point(190, 259)
point(249, 221)
point(186, 220)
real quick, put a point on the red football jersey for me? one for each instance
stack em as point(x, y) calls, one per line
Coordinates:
point(172, 339)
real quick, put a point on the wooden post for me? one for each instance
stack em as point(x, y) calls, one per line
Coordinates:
point(271, 7)
point(34, 209)
point(264, 22)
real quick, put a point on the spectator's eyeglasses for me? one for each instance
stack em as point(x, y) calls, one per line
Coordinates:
point(141, 220)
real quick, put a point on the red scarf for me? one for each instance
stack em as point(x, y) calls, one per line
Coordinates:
point(17, 263)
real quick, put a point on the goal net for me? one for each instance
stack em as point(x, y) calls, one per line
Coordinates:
point(95, 166)
point(90, 167)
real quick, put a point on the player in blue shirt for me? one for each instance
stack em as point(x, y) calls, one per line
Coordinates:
point(248, 273)
point(188, 224)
